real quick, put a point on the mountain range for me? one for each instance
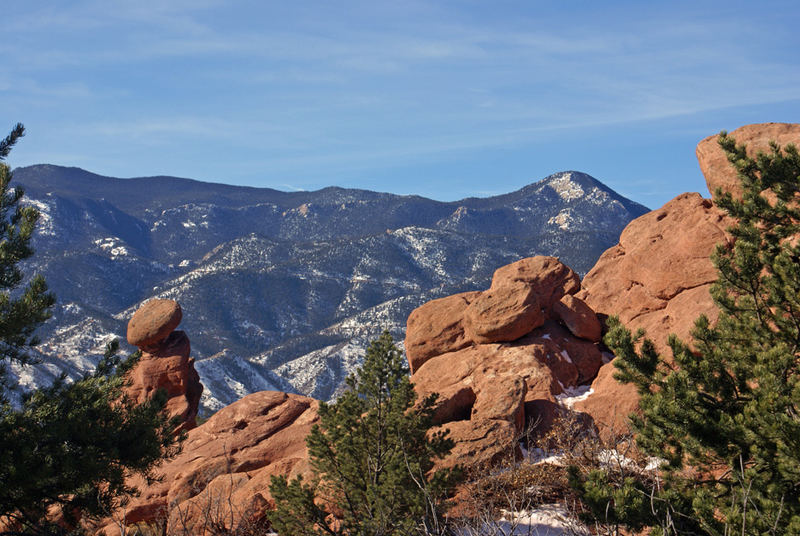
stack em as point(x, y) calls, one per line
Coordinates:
point(282, 290)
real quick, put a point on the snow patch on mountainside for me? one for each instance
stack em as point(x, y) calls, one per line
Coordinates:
point(565, 187)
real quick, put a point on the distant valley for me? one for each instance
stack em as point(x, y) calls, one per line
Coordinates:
point(282, 290)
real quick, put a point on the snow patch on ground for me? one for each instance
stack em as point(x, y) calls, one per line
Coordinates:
point(543, 520)
point(574, 394)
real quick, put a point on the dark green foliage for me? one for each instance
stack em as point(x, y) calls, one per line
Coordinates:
point(372, 456)
point(725, 414)
point(30, 306)
point(72, 444)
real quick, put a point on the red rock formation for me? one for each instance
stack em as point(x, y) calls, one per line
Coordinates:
point(222, 474)
point(719, 173)
point(550, 277)
point(657, 278)
point(578, 317)
point(153, 322)
point(437, 327)
point(165, 362)
point(503, 313)
point(512, 357)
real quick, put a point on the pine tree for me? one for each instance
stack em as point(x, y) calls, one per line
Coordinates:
point(724, 413)
point(372, 456)
point(69, 446)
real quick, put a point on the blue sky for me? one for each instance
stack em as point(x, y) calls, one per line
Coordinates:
point(442, 99)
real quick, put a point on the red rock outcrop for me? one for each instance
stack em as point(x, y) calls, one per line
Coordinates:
point(719, 173)
point(502, 314)
point(657, 278)
point(512, 360)
point(153, 322)
point(437, 327)
point(578, 317)
point(221, 477)
point(165, 362)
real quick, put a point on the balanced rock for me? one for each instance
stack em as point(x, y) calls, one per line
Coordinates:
point(153, 322)
point(719, 173)
point(223, 472)
point(165, 362)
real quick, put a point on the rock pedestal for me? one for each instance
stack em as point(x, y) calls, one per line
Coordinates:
point(165, 362)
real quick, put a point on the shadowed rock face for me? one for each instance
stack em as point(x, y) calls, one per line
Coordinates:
point(504, 356)
point(165, 362)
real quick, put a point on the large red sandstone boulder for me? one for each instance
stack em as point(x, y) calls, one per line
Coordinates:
point(165, 362)
point(437, 327)
point(658, 264)
point(657, 278)
point(153, 322)
point(169, 367)
point(578, 317)
point(222, 475)
point(547, 275)
point(519, 300)
point(503, 313)
point(499, 359)
point(719, 173)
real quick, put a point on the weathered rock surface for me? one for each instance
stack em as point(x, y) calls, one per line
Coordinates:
point(550, 277)
point(437, 327)
point(657, 278)
point(223, 472)
point(504, 313)
point(169, 367)
point(578, 317)
point(515, 360)
point(165, 362)
point(153, 322)
point(719, 173)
